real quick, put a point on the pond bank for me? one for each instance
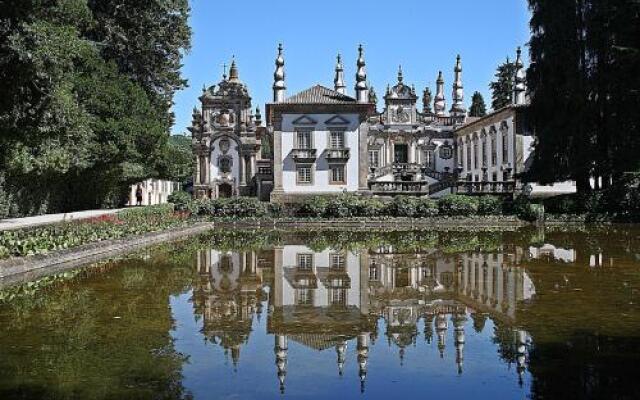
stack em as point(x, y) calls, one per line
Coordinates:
point(20, 269)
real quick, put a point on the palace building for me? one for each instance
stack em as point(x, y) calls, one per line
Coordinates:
point(323, 141)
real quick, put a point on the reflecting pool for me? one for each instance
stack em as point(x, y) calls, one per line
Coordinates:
point(528, 313)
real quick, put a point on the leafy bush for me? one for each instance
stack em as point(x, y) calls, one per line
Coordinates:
point(489, 205)
point(427, 208)
point(403, 206)
point(565, 204)
point(313, 207)
point(458, 205)
point(525, 210)
point(241, 207)
point(180, 200)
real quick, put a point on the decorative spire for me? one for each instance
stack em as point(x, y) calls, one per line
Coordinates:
point(458, 332)
point(279, 86)
point(341, 350)
point(426, 101)
point(519, 84)
point(457, 106)
point(362, 91)
point(363, 356)
point(400, 77)
point(338, 81)
point(439, 104)
point(281, 350)
point(233, 71)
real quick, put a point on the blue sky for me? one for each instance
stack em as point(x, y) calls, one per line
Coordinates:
point(423, 36)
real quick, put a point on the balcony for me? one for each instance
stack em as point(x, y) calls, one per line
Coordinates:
point(397, 187)
point(337, 155)
point(496, 187)
point(304, 155)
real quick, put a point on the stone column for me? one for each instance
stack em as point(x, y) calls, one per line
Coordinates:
point(254, 170)
point(363, 157)
point(277, 161)
point(243, 175)
point(389, 152)
point(412, 152)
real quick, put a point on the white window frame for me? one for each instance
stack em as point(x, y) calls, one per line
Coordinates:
point(299, 167)
point(333, 167)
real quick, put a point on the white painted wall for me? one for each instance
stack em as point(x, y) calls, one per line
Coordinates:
point(320, 139)
point(154, 191)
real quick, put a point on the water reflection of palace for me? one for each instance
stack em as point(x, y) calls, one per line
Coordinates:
point(325, 299)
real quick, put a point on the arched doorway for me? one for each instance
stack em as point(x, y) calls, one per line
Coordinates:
point(225, 190)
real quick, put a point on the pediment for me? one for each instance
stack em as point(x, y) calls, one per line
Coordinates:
point(337, 120)
point(304, 120)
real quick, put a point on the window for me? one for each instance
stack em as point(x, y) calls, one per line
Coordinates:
point(494, 151)
point(374, 158)
point(484, 151)
point(505, 147)
point(304, 174)
point(303, 139)
point(336, 174)
point(225, 163)
point(429, 159)
point(304, 297)
point(305, 261)
point(337, 261)
point(336, 140)
point(373, 272)
point(475, 152)
point(337, 297)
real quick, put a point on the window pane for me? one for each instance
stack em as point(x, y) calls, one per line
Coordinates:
point(337, 174)
point(304, 139)
point(336, 140)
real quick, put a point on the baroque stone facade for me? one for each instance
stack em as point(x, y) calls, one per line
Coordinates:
point(322, 141)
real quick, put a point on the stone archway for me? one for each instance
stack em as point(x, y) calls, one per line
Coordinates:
point(225, 190)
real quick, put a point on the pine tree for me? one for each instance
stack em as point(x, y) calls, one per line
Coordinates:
point(478, 107)
point(502, 87)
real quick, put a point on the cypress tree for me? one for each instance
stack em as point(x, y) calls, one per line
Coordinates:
point(478, 108)
point(502, 87)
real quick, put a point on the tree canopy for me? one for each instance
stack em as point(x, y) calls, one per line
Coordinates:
point(87, 90)
point(585, 89)
point(502, 87)
point(478, 107)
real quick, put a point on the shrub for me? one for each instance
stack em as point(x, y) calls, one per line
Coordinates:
point(369, 207)
point(458, 205)
point(489, 205)
point(565, 204)
point(313, 207)
point(180, 200)
point(402, 206)
point(427, 208)
point(525, 210)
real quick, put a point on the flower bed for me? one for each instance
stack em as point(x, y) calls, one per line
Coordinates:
point(131, 222)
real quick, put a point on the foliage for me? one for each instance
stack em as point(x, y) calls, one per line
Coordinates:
point(458, 205)
point(584, 83)
point(237, 207)
point(180, 200)
point(178, 160)
point(478, 107)
point(87, 88)
point(490, 205)
point(127, 223)
point(502, 87)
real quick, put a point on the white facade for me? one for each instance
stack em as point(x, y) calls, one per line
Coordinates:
point(320, 127)
point(154, 191)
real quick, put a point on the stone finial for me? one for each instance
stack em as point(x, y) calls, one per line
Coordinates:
point(279, 86)
point(233, 71)
point(362, 91)
point(338, 81)
point(400, 77)
point(439, 104)
point(426, 101)
point(258, 116)
point(373, 97)
point(519, 84)
point(457, 106)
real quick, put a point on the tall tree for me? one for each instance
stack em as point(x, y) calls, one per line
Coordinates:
point(478, 107)
point(85, 113)
point(583, 89)
point(502, 87)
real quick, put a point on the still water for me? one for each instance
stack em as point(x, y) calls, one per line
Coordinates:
point(265, 314)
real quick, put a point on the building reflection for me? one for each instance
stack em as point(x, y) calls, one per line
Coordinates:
point(328, 300)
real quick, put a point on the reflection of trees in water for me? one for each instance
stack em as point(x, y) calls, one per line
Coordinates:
point(106, 333)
